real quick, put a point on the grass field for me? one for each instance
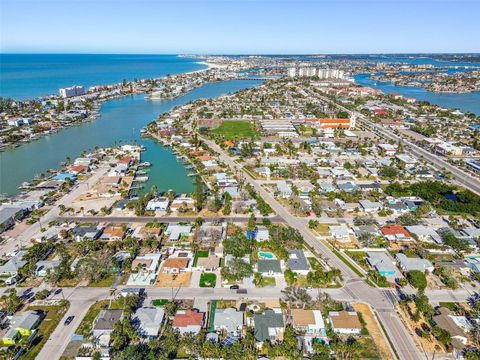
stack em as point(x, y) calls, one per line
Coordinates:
point(208, 280)
point(48, 324)
point(267, 281)
point(159, 302)
point(233, 130)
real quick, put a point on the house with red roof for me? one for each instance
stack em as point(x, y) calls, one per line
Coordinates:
point(126, 160)
point(396, 232)
point(78, 169)
point(379, 112)
point(188, 321)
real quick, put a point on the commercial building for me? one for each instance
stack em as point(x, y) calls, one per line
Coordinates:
point(75, 90)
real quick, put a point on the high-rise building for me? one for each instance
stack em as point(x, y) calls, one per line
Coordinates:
point(75, 90)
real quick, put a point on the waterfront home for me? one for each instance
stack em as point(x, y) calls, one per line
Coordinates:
point(21, 326)
point(408, 263)
point(13, 265)
point(395, 232)
point(182, 203)
point(309, 322)
point(383, 264)
point(160, 204)
point(188, 321)
point(175, 231)
point(8, 214)
point(229, 320)
point(269, 326)
point(103, 324)
point(44, 267)
point(148, 321)
point(269, 267)
point(297, 262)
point(345, 322)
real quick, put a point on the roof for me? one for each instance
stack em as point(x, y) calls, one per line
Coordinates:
point(16, 262)
point(231, 319)
point(150, 319)
point(263, 322)
point(188, 318)
point(345, 320)
point(106, 319)
point(444, 321)
point(265, 266)
point(394, 229)
point(380, 261)
point(410, 264)
point(297, 260)
point(212, 261)
point(25, 320)
point(301, 317)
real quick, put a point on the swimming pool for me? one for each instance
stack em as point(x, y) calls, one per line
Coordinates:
point(265, 255)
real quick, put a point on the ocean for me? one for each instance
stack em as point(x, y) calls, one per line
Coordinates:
point(26, 76)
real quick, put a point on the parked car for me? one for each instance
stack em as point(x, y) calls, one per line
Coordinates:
point(234, 287)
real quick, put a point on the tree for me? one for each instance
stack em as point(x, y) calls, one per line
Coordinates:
point(298, 297)
point(417, 279)
point(199, 194)
point(238, 245)
point(11, 301)
point(252, 223)
point(290, 276)
point(237, 269)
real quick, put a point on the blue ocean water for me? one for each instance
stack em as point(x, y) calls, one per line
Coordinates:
point(24, 76)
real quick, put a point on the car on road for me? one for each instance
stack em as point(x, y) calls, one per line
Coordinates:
point(68, 320)
point(58, 291)
point(234, 287)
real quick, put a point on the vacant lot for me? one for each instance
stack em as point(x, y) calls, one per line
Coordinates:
point(168, 280)
point(233, 130)
point(374, 330)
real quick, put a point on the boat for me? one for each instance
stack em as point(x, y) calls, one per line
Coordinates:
point(145, 164)
point(141, 179)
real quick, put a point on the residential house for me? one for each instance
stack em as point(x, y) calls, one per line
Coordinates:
point(188, 321)
point(175, 265)
point(269, 326)
point(160, 204)
point(425, 233)
point(370, 206)
point(144, 269)
point(383, 264)
point(103, 324)
point(175, 231)
point(297, 262)
point(14, 264)
point(113, 233)
point(445, 321)
point(229, 320)
point(269, 267)
point(414, 263)
point(209, 263)
point(308, 321)
point(182, 202)
point(21, 325)
point(395, 232)
point(340, 233)
point(86, 232)
point(345, 322)
point(284, 189)
point(43, 267)
point(148, 321)
point(262, 234)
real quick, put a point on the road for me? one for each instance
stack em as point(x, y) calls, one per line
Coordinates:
point(163, 219)
point(356, 287)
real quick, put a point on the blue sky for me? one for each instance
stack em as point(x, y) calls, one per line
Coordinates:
point(233, 27)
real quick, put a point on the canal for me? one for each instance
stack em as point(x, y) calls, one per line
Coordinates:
point(120, 122)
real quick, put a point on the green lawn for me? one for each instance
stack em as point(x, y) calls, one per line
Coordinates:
point(48, 324)
point(232, 130)
point(199, 254)
point(159, 302)
point(208, 280)
point(267, 281)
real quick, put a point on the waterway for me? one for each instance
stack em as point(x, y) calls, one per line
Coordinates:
point(25, 76)
point(119, 123)
point(466, 102)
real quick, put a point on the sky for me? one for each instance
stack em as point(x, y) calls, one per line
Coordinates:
point(239, 27)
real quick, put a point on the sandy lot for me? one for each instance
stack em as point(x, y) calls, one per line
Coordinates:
point(168, 280)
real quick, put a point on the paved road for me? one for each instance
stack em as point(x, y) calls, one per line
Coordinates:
point(163, 219)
